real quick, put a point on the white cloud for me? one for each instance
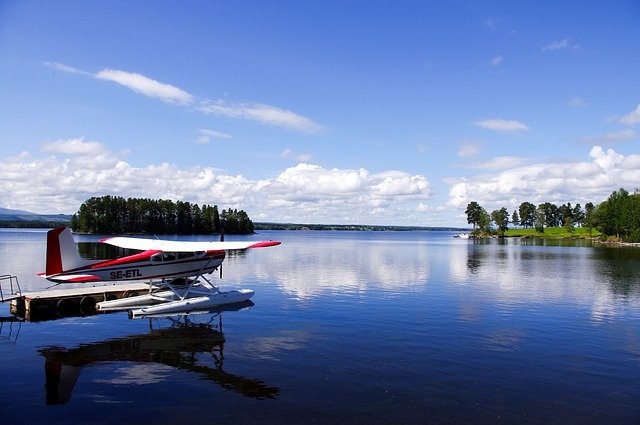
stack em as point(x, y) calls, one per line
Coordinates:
point(584, 181)
point(306, 192)
point(146, 86)
point(632, 117)
point(565, 43)
point(205, 136)
point(497, 60)
point(302, 157)
point(501, 125)
point(491, 22)
point(607, 160)
point(261, 113)
point(258, 112)
point(74, 147)
point(64, 68)
point(618, 136)
point(577, 102)
point(469, 149)
point(499, 162)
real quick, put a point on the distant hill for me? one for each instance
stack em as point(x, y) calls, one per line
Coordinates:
point(18, 218)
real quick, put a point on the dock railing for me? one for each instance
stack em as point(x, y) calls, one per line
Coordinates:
point(9, 288)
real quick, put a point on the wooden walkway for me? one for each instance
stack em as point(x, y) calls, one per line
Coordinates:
point(64, 302)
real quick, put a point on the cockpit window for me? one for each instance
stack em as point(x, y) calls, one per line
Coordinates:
point(168, 256)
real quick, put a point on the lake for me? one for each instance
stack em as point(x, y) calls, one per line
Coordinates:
point(348, 327)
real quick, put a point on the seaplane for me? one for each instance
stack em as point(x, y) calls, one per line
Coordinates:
point(175, 270)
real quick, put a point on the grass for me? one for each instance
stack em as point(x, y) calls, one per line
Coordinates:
point(553, 232)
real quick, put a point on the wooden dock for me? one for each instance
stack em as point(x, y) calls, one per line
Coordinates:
point(78, 301)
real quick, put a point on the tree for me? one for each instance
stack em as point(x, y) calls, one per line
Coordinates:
point(588, 216)
point(527, 214)
point(484, 220)
point(115, 215)
point(474, 212)
point(551, 215)
point(540, 218)
point(514, 218)
point(501, 219)
point(619, 215)
point(578, 215)
point(216, 220)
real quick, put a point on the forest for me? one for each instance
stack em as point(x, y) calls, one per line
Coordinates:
point(116, 215)
point(617, 218)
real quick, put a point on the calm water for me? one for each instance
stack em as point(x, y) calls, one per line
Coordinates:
point(352, 328)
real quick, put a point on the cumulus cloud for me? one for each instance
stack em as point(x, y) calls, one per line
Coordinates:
point(501, 125)
point(62, 179)
point(257, 112)
point(632, 117)
point(74, 147)
point(312, 183)
point(585, 181)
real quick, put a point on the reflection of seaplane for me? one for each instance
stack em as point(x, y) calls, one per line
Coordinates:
point(175, 271)
point(176, 346)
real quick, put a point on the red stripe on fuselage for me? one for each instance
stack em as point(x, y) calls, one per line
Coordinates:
point(143, 256)
point(143, 261)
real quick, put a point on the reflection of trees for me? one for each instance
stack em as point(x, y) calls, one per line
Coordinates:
point(102, 251)
point(619, 268)
point(535, 270)
point(178, 346)
point(474, 259)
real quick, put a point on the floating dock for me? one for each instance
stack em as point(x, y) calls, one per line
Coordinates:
point(66, 302)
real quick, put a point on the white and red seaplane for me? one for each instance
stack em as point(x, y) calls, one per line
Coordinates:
point(175, 271)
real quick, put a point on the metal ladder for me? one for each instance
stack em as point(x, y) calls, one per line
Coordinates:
point(9, 282)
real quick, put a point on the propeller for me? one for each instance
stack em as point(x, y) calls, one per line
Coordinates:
point(221, 240)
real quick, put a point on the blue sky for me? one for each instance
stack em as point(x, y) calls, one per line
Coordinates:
point(322, 112)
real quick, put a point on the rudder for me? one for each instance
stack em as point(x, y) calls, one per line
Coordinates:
point(62, 252)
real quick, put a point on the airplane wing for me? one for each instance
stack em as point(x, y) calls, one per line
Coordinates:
point(183, 246)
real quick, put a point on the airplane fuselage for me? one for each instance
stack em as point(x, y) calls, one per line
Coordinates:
point(158, 259)
point(147, 265)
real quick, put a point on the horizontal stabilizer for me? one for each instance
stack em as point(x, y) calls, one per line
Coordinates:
point(71, 278)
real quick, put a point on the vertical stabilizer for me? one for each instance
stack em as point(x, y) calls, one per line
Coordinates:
point(62, 252)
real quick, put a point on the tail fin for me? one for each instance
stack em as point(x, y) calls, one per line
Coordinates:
point(62, 252)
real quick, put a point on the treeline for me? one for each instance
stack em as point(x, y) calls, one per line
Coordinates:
point(31, 224)
point(116, 215)
point(349, 227)
point(618, 216)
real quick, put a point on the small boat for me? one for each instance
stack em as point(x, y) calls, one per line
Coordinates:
point(462, 236)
